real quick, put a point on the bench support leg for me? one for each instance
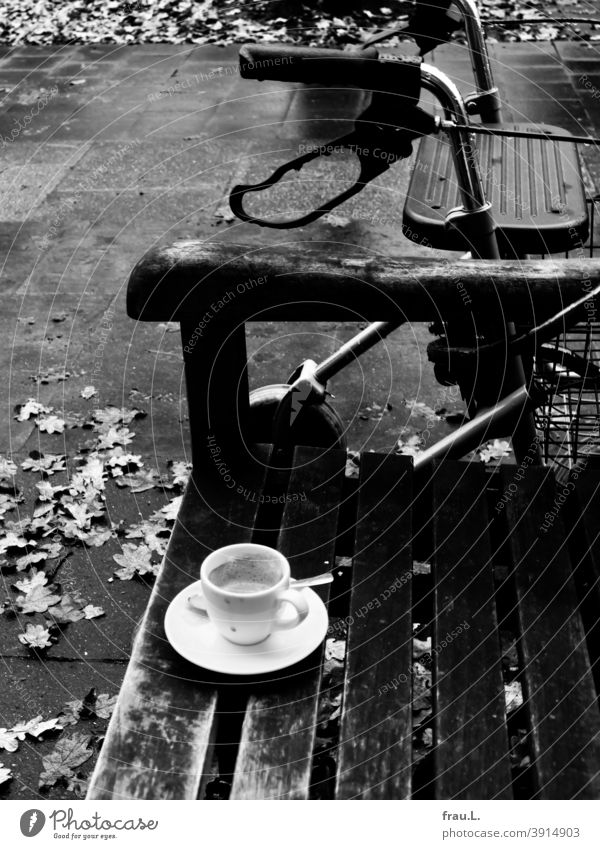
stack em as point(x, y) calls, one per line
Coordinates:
point(216, 375)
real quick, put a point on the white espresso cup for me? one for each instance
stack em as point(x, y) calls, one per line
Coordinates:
point(245, 588)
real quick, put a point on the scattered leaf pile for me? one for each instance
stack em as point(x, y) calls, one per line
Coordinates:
point(63, 763)
point(71, 513)
point(321, 22)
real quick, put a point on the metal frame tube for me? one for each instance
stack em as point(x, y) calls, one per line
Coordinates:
point(480, 60)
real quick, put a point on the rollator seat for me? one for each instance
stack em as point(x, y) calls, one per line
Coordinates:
point(535, 187)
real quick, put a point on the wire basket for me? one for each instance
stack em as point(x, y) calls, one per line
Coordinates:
point(569, 424)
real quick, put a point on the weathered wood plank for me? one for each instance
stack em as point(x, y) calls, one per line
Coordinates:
point(186, 279)
point(582, 524)
point(158, 744)
point(559, 689)
point(376, 728)
point(278, 734)
point(470, 736)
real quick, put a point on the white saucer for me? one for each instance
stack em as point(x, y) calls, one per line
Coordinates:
point(197, 640)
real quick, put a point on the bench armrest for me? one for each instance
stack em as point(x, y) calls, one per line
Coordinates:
point(189, 279)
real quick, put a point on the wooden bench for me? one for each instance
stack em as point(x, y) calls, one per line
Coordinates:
point(499, 577)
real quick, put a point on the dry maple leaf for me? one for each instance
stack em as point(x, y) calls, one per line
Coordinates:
point(36, 637)
point(68, 754)
point(33, 579)
point(70, 609)
point(9, 502)
point(141, 481)
point(110, 416)
point(81, 516)
point(12, 540)
point(170, 510)
point(30, 408)
point(9, 741)
point(134, 560)
point(30, 559)
point(47, 464)
point(120, 460)
point(180, 472)
point(105, 706)
point(37, 600)
point(91, 612)
point(115, 436)
point(47, 492)
point(51, 424)
point(36, 727)
point(7, 470)
point(494, 450)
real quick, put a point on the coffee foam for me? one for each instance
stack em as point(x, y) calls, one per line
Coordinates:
point(246, 574)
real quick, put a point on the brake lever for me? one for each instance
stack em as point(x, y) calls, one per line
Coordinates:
point(369, 171)
point(377, 145)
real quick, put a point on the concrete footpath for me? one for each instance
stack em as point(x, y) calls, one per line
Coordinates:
point(107, 151)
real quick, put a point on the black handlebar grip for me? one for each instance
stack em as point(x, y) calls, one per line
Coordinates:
point(364, 69)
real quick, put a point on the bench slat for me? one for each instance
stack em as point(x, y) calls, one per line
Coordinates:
point(582, 518)
point(471, 743)
point(278, 734)
point(158, 744)
point(376, 729)
point(558, 682)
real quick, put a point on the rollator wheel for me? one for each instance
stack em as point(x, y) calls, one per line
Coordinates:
point(317, 425)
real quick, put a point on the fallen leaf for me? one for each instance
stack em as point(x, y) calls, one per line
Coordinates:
point(36, 637)
point(36, 727)
point(12, 540)
point(180, 472)
point(91, 612)
point(105, 706)
point(412, 447)
point(8, 740)
point(68, 754)
point(30, 408)
point(7, 470)
point(171, 510)
point(121, 460)
point(88, 392)
point(9, 502)
point(134, 560)
point(115, 436)
point(46, 463)
point(34, 579)
point(494, 450)
point(513, 694)
point(141, 481)
point(51, 424)
point(70, 609)
point(5, 774)
point(37, 600)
